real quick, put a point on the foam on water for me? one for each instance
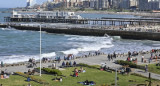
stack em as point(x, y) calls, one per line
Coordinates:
point(52, 54)
point(7, 29)
point(18, 58)
point(88, 43)
point(22, 58)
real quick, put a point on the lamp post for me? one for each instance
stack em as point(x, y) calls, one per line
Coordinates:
point(116, 77)
point(40, 50)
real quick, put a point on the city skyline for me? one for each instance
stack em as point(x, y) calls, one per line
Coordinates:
point(16, 3)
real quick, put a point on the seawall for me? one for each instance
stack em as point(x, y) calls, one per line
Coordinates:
point(94, 32)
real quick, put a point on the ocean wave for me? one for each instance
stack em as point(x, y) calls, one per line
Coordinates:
point(18, 58)
point(87, 43)
point(116, 37)
point(7, 28)
point(87, 48)
point(22, 58)
point(71, 51)
point(52, 54)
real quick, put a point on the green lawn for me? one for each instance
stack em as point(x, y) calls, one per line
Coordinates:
point(153, 68)
point(16, 80)
point(100, 77)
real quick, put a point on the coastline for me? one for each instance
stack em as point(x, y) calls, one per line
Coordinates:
point(125, 33)
point(22, 63)
point(98, 59)
point(143, 14)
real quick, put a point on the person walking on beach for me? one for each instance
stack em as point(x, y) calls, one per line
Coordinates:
point(108, 57)
point(34, 62)
point(149, 60)
point(114, 55)
point(111, 57)
point(2, 65)
point(151, 54)
point(129, 54)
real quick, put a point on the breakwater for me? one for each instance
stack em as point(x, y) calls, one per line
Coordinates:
point(94, 32)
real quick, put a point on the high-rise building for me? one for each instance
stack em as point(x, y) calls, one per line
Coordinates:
point(96, 4)
point(143, 4)
point(103, 4)
point(31, 3)
point(86, 4)
point(149, 4)
point(110, 3)
point(115, 3)
point(153, 5)
point(124, 4)
point(133, 3)
point(92, 3)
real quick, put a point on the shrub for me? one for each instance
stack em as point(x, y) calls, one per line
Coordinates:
point(32, 78)
point(52, 71)
point(85, 65)
point(132, 65)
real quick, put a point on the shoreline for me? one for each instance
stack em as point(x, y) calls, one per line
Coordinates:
point(125, 33)
point(142, 14)
point(96, 54)
point(89, 60)
point(26, 29)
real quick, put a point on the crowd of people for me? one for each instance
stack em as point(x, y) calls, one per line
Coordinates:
point(112, 56)
point(68, 64)
point(32, 63)
point(69, 57)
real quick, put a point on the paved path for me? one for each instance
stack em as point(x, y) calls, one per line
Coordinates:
point(94, 60)
point(142, 72)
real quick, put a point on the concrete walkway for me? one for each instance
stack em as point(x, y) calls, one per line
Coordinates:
point(93, 60)
point(153, 75)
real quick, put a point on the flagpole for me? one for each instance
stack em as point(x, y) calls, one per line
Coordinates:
point(40, 50)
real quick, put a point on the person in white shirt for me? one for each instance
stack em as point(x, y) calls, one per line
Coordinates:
point(142, 58)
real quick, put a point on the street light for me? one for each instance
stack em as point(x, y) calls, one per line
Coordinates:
point(116, 77)
point(40, 50)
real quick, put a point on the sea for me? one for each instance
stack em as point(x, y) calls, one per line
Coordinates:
point(20, 45)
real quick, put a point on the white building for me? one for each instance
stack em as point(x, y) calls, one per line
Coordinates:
point(16, 14)
point(64, 15)
point(46, 14)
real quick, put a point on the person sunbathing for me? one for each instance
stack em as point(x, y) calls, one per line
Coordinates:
point(81, 69)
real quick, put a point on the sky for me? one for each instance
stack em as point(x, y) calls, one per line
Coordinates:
point(16, 3)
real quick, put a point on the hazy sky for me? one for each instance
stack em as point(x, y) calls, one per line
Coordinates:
point(15, 3)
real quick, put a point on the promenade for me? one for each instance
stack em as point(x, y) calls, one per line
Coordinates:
point(94, 60)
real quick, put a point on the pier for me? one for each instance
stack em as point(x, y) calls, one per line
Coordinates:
point(102, 21)
point(123, 33)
